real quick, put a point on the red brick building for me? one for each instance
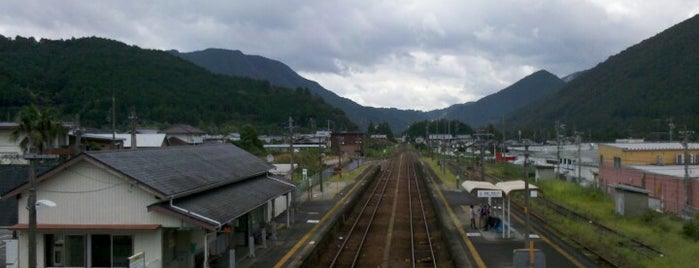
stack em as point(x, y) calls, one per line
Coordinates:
point(656, 167)
point(349, 144)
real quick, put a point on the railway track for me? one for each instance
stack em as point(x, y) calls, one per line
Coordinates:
point(392, 225)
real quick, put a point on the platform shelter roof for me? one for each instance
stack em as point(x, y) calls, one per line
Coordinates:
point(469, 186)
point(511, 186)
point(506, 187)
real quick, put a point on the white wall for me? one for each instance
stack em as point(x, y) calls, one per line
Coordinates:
point(86, 194)
point(10, 147)
point(279, 206)
point(151, 244)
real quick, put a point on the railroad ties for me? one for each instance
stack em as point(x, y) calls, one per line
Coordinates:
point(392, 225)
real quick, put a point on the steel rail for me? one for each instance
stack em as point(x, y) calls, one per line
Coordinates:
point(382, 183)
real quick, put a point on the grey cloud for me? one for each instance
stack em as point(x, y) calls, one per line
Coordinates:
point(492, 42)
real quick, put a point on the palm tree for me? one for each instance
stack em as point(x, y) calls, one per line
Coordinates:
point(37, 128)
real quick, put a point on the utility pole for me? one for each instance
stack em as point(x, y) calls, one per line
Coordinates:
point(133, 119)
point(579, 160)
point(671, 126)
point(78, 135)
point(31, 206)
point(481, 138)
point(687, 185)
point(31, 202)
point(291, 147)
point(558, 127)
point(320, 155)
point(292, 211)
point(113, 122)
point(527, 241)
point(427, 128)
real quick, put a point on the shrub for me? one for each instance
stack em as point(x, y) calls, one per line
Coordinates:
point(691, 229)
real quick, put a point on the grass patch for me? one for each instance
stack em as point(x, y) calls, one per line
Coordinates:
point(674, 237)
point(448, 177)
point(661, 231)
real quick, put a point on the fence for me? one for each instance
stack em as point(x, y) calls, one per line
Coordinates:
point(302, 192)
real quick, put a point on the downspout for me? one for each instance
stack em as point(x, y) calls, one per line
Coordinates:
point(284, 182)
point(206, 234)
point(183, 210)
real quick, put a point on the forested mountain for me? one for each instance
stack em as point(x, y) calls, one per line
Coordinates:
point(80, 76)
point(492, 108)
point(636, 93)
point(235, 63)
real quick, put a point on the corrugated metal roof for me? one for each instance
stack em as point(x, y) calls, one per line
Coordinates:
point(671, 170)
point(631, 188)
point(142, 140)
point(183, 129)
point(184, 170)
point(227, 203)
point(651, 146)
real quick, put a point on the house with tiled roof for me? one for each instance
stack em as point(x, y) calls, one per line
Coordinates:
point(668, 171)
point(179, 206)
point(11, 152)
point(184, 135)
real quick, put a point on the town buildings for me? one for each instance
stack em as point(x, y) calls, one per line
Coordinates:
point(668, 171)
point(178, 206)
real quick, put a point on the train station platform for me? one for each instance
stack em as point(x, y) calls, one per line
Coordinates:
point(470, 247)
point(309, 218)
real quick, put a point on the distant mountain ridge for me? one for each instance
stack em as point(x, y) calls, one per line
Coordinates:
point(636, 93)
point(491, 109)
point(86, 76)
point(485, 110)
point(235, 63)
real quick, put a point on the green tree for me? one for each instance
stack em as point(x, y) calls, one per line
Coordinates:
point(36, 130)
point(249, 141)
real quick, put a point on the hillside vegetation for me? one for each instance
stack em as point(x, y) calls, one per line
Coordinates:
point(636, 93)
point(492, 108)
point(80, 76)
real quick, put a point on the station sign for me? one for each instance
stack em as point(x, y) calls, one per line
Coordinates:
point(489, 193)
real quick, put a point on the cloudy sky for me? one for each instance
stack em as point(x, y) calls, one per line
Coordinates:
point(414, 54)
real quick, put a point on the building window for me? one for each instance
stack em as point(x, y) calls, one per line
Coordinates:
point(617, 162)
point(659, 160)
point(679, 159)
point(69, 250)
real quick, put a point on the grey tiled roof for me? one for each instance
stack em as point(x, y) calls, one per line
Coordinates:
point(183, 170)
point(227, 203)
point(11, 177)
